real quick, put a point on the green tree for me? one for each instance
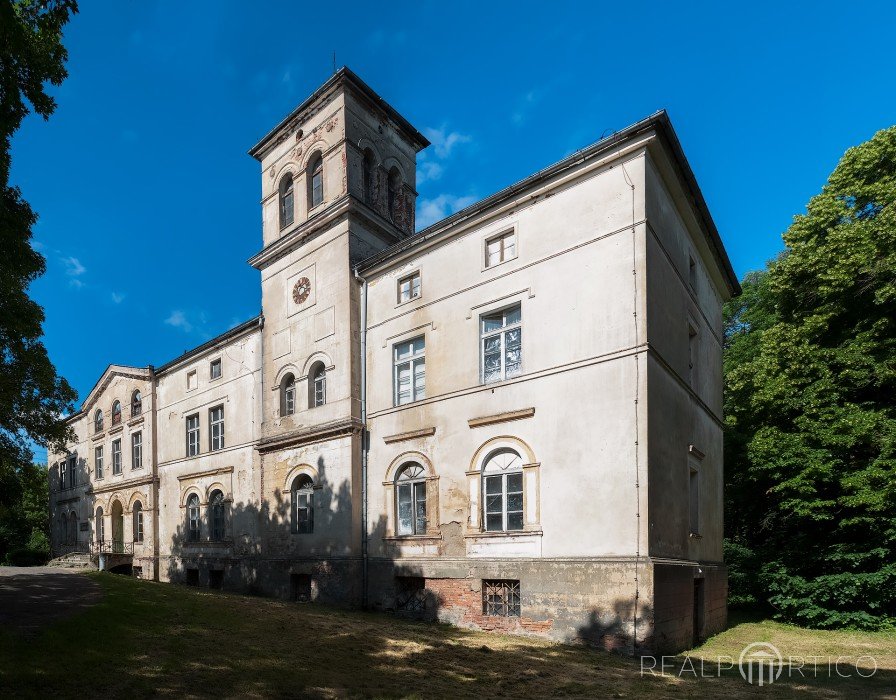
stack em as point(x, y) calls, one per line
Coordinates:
point(810, 379)
point(32, 396)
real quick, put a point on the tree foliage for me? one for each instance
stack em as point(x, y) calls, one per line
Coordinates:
point(32, 396)
point(810, 379)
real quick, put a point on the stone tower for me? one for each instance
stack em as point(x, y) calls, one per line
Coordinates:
point(338, 180)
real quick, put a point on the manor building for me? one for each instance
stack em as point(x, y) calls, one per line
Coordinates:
point(509, 420)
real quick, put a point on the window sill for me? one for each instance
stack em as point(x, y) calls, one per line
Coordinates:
point(486, 268)
point(137, 420)
point(408, 301)
point(410, 539)
point(116, 429)
point(505, 534)
point(98, 436)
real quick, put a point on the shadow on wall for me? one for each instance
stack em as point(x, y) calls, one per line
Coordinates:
point(616, 631)
point(304, 554)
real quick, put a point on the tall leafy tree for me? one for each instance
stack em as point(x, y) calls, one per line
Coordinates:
point(810, 376)
point(32, 395)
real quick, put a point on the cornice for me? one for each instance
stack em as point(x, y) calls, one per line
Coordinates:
point(307, 436)
point(119, 485)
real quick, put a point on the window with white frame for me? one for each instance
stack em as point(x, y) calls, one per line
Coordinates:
point(288, 395)
point(302, 494)
point(138, 521)
point(500, 248)
point(410, 503)
point(193, 435)
point(316, 182)
point(409, 371)
point(317, 385)
point(216, 428)
point(137, 450)
point(214, 369)
point(192, 380)
point(116, 456)
point(98, 462)
point(193, 521)
point(502, 486)
point(501, 344)
point(409, 287)
point(286, 201)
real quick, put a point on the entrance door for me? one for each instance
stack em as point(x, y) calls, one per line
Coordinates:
point(698, 610)
point(117, 528)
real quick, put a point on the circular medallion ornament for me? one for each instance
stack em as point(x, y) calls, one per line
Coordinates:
point(301, 290)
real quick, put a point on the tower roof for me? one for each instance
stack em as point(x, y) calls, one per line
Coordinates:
point(342, 77)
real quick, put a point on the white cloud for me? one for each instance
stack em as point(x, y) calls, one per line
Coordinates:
point(432, 210)
point(428, 171)
point(74, 269)
point(524, 107)
point(117, 298)
point(178, 319)
point(444, 141)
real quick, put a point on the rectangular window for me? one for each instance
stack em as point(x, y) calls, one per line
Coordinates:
point(138, 526)
point(409, 371)
point(192, 380)
point(72, 471)
point(193, 435)
point(116, 456)
point(504, 502)
point(216, 428)
point(409, 287)
point(501, 344)
point(500, 248)
point(304, 516)
point(63, 475)
point(501, 598)
point(98, 462)
point(692, 354)
point(694, 500)
point(412, 508)
point(214, 369)
point(137, 451)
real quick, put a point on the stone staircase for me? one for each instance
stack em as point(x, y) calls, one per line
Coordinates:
point(73, 560)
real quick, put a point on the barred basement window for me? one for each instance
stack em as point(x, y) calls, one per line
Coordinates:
point(410, 594)
point(301, 587)
point(501, 598)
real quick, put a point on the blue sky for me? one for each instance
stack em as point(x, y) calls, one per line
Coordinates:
point(148, 202)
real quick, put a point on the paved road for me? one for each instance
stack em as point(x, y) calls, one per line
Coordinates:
point(33, 597)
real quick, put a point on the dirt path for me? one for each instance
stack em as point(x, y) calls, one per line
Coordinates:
point(33, 597)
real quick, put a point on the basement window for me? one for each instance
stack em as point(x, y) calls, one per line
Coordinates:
point(501, 598)
point(300, 585)
point(410, 594)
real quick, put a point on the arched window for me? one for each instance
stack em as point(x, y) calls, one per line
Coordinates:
point(98, 526)
point(315, 182)
point(288, 395)
point(287, 201)
point(216, 507)
point(410, 494)
point(394, 189)
point(136, 403)
point(98, 420)
point(138, 521)
point(502, 484)
point(317, 385)
point(303, 504)
point(73, 529)
point(193, 518)
point(367, 177)
point(116, 413)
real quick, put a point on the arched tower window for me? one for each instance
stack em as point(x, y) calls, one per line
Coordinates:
point(394, 189)
point(99, 527)
point(193, 518)
point(98, 420)
point(410, 494)
point(303, 504)
point(317, 385)
point(315, 182)
point(502, 485)
point(138, 521)
point(288, 395)
point(367, 177)
point(287, 201)
point(136, 403)
point(116, 413)
point(216, 507)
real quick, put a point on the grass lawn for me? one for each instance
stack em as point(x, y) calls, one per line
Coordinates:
point(149, 638)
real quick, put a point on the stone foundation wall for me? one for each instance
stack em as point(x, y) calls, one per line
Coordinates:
point(690, 604)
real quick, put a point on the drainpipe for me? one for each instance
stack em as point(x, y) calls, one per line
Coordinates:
point(156, 515)
point(364, 437)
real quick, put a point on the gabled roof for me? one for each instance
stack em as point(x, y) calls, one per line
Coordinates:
point(105, 379)
point(658, 122)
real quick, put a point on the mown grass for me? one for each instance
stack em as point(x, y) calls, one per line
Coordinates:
point(147, 638)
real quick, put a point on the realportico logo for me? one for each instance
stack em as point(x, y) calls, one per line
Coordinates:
point(760, 663)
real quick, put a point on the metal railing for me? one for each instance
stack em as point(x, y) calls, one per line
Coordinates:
point(111, 547)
